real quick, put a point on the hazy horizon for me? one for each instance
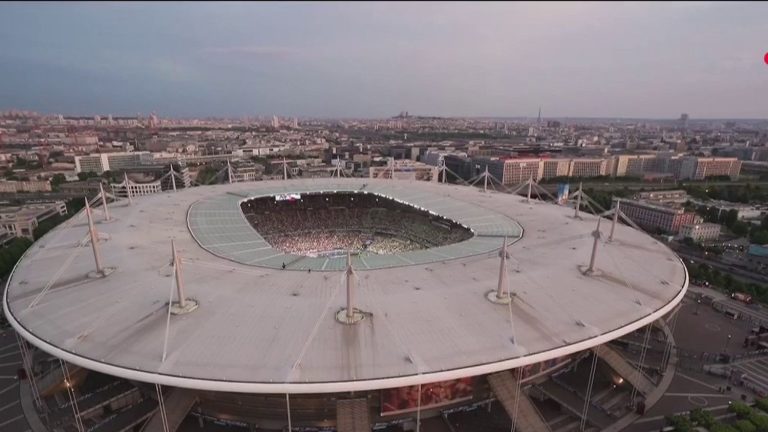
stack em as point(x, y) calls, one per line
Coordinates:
point(373, 60)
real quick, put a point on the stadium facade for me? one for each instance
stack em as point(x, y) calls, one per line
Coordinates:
point(184, 297)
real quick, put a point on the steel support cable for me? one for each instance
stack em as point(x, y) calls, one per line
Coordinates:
point(316, 327)
point(72, 399)
point(288, 409)
point(70, 258)
point(161, 408)
point(418, 412)
point(26, 358)
point(168, 318)
point(590, 384)
point(518, 391)
point(638, 372)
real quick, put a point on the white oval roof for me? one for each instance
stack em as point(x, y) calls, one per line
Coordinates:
point(263, 329)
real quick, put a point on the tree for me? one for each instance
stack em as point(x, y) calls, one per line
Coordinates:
point(58, 179)
point(730, 217)
point(759, 237)
point(763, 402)
point(82, 176)
point(740, 229)
point(720, 427)
point(702, 418)
point(680, 422)
point(741, 410)
point(760, 421)
point(745, 426)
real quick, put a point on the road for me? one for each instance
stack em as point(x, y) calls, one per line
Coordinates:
point(737, 273)
point(11, 414)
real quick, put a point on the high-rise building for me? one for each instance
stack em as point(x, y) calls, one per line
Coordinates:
point(275, 122)
point(99, 163)
point(684, 121)
point(589, 167)
point(699, 168)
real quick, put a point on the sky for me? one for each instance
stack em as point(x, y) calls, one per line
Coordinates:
point(373, 60)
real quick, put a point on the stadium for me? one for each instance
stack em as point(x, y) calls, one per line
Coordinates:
point(338, 305)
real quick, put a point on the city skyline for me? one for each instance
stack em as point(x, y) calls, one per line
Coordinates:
point(328, 60)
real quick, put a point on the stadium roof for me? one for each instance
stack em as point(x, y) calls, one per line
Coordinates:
point(218, 225)
point(262, 329)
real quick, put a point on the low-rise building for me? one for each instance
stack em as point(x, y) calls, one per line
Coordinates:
point(22, 220)
point(700, 232)
point(25, 186)
point(121, 190)
point(663, 197)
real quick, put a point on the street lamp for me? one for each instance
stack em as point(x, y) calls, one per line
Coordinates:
point(698, 302)
point(726, 343)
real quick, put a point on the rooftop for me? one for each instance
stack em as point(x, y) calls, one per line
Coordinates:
point(262, 329)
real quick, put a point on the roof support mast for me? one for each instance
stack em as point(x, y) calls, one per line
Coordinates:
point(616, 212)
point(104, 201)
point(128, 189)
point(350, 289)
point(502, 294)
point(530, 186)
point(285, 170)
point(578, 203)
point(177, 274)
point(183, 304)
point(485, 182)
point(173, 178)
point(350, 314)
point(596, 235)
point(94, 240)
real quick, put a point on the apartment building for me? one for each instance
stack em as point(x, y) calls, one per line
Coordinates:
point(590, 167)
point(655, 216)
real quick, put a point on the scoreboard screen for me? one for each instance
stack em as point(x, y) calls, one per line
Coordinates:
point(287, 197)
